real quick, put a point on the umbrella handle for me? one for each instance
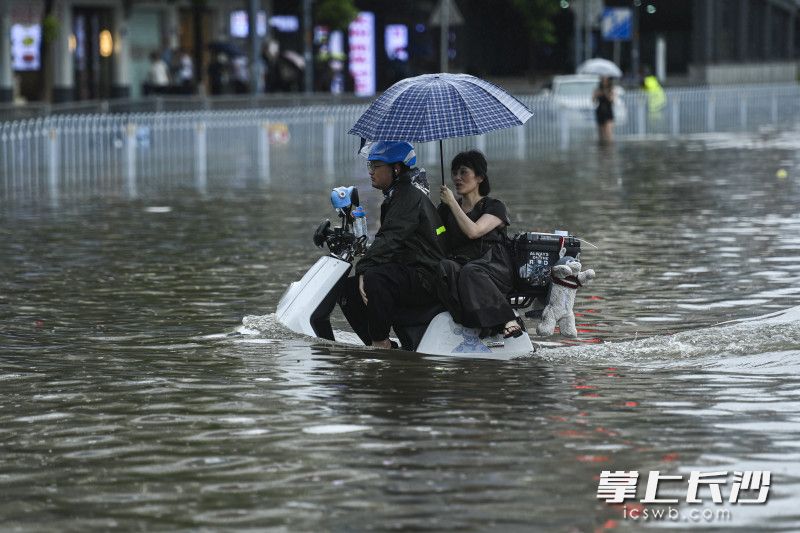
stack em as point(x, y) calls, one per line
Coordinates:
point(441, 160)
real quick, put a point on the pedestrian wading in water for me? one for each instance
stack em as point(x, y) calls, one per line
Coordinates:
point(603, 98)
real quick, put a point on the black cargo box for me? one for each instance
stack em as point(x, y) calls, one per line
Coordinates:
point(534, 255)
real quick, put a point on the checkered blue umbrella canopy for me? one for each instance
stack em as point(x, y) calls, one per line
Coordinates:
point(433, 107)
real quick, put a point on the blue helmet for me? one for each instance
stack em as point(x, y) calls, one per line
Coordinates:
point(393, 152)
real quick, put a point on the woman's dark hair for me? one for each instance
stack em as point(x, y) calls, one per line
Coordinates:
point(477, 162)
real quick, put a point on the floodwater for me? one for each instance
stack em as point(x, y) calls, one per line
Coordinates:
point(144, 384)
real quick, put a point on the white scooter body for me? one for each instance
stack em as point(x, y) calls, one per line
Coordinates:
point(306, 305)
point(446, 337)
point(297, 305)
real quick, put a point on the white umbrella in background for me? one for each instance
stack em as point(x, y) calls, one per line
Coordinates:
point(600, 67)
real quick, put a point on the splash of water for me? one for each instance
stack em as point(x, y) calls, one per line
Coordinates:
point(264, 325)
point(268, 326)
point(775, 332)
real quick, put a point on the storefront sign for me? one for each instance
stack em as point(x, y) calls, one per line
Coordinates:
point(25, 39)
point(361, 35)
point(396, 41)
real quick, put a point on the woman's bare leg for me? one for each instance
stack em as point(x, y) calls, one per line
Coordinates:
point(608, 131)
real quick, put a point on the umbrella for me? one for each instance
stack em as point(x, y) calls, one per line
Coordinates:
point(600, 67)
point(433, 107)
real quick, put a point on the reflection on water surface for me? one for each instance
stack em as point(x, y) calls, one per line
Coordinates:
point(131, 396)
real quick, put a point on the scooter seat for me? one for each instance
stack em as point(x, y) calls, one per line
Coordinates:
point(418, 315)
point(410, 323)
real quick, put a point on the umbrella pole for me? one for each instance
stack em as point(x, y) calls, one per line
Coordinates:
point(441, 160)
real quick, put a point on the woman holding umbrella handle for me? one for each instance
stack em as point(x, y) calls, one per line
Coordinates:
point(475, 278)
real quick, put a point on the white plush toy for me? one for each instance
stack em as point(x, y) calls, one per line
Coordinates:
point(567, 277)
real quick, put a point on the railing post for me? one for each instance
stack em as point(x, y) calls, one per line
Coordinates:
point(710, 114)
point(480, 143)
point(328, 145)
point(52, 164)
point(263, 153)
point(641, 124)
point(676, 117)
point(520, 133)
point(743, 114)
point(130, 159)
point(200, 157)
point(10, 175)
point(563, 129)
point(424, 156)
point(774, 108)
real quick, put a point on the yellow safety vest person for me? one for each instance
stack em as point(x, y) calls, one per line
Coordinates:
point(656, 99)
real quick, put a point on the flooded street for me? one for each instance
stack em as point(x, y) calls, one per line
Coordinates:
point(144, 383)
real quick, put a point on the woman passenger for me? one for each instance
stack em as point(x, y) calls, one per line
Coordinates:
point(474, 280)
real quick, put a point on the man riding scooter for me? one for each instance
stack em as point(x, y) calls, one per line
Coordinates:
point(399, 268)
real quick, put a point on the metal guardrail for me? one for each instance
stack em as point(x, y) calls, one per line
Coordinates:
point(127, 154)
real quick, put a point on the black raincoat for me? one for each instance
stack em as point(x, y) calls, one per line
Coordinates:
point(410, 234)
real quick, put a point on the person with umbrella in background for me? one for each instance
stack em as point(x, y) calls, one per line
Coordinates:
point(603, 98)
point(604, 95)
point(399, 268)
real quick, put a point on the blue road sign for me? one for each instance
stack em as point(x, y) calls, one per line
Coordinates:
point(617, 23)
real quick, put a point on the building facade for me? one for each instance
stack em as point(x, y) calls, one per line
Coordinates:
point(711, 41)
point(98, 49)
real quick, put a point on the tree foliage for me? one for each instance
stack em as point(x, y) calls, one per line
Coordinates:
point(336, 14)
point(538, 16)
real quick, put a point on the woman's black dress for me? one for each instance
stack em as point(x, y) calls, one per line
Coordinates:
point(474, 281)
point(605, 109)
